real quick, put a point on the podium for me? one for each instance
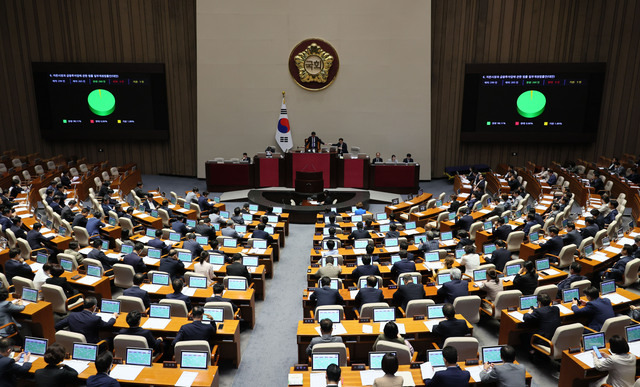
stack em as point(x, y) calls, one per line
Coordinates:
point(323, 162)
point(309, 182)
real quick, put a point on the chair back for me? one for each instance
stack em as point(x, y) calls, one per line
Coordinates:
point(468, 307)
point(339, 348)
point(550, 290)
point(81, 235)
point(164, 215)
point(515, 261)
point(192, 345)
point(4, 281)
point(475, 227)
point(401, 350)
point(585, 242)
point(631, 272)
point(315, 312)
point(126, 224)
point(565, 337)
point(123, 275)
point(597, 240)
point(418, 307)
point(615, 326)
point(367, 309)
point(514, 240)
point(25, 249)
point(92, 261)
point(226, 306)
point(11, 238)
point(580, 285)
point(67, 339)
point(129, 304)
point(21, 282)
point(565, 258)
point(55, 295)
point(548, 223)
point(535, 228)
point(121, 342)
point(467, 347)
point(364, 277)
point(504, 300)
point(105, 176)
point(178, 307)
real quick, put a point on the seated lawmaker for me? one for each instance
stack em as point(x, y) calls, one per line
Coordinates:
point(500, 256)
point(197, 330)
point(389, 366)
point(526, 280)
point(404, 265)
point(620, 364)
point(366, 269)
point(133, 320)
point(501, 230)
point(506, 374)
point(574, 275)
point(545, 318)
point(177, 285)
point(329, 270)
point(391, 333)
point(324, 295)
point(454, 288)
point(552, 246)
point(408, 292)
point(451, 326)
point(616, 272)
point(369, 293)
point(326, 328)
point(359, 232)
point(597, 309)
point(96, 253)
point(453, 375)
point(134, 260)
point(87, 322)
point(218, 291)
point(137, 291)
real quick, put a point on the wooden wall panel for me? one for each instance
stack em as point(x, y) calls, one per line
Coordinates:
point(540, 31)
point(116, 31)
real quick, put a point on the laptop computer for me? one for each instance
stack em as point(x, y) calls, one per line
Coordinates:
point(198, 282)
point(633, 333)
point(85, 352)
point(139, 356)
point(569, 295)
point(241, 228)
point(217, 314)
point(151, 232)
point(489, 248)
point(237, 284)
point(253, 207)
point(375, 359)
point(512, 269)
point(414, 278)
point(185, 256)
point(259, 243)
point(459, 253)
point(395, 258)
point(94, 271)
point(29, 295)
point(607, 287)
point(159, 311)
point(154, 253)
point(527, 302)
point(385, 227)
point(542, 264)
point(452, 216)
point(126, 249)
point(491, 354)
point(356, 218)
point(216, 259)
point(438, 203)
point(229, 242)
point(487, 225)
point(247, 218)
point(410, 225)
point(446, 236)
point(187, 206)
point(391, 243)
point(335, 284)
point(480, 275)
point(110, 306)
point(606, 242)
point(154, 213)
point(395, 201)
point(197, 360)
point(360, 244)
point(331, 314)
point(381, 216)
point(35, 345)
point(202, 240)
point(363, 283)
point(42, 257)
point(384, 314)
point(443, 278)
point(174, 237)
point(591, 340)
point(160, 279)
point(588, 250)
point(272, 218)
point(277, 210)
point(216, 226)
point(435, 358)
point(417, 239)
point(431, 256)
point(216, 199)
point(435, 311)
point(320, 361)
point(269, 229)
point(66, 264)
point(105, 246)
point(533, 237)
point(250, 261)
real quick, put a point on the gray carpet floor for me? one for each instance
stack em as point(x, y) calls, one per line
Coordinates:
point(270, 349)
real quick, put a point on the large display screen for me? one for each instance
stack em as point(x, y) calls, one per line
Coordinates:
point(532, 102)
point(101, 101)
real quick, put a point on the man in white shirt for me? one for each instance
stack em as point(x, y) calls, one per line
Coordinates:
point(42, 275)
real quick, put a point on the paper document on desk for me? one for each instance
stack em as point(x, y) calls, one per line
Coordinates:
point(150, 261)
point(170, 243)
point(114, 255)
point(546, 202)
point(360, 251)
point(105, 316)
point(626, 241)
point(88, 280)
point(580, 221)
point(634, 348)
point(615, 250)
point(407, 378)
point(600, 257)
point(475, 372)
point(484, 211)
point(143, 239)
point(633, 234)
point(384, 221)
point(552, 271)
point(366, 328)
point(564, 310)
point(257, 251)
point(432, 323)
point(353, 293)
point(411, 232)
point(125, 372)
point(394, 249)
point(427, 370)
point(401, 329)
point(615, 298)
point(151, 288)
point(539, 207)
point(36, 266)
point(78, 365)
point(186, 379)
point(517, 315)
point(156, 323)
point(367, 377)
point(450, 242)
point(391, 207)
point(586, 358)
point(189, 292)
point(434, 265)
point(295, 379)
point(508, 278)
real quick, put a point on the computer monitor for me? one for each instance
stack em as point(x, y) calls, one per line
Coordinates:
point(438, 203)
point(126, 249)
point(253, 207)
point(86, 352)
point(385, 227)
point(363, 283)
point(569, 295)
point(174, 237)
point(518, 213)
point(414, 278)
point(331, 314)
point(216, 199)
point(35, 345)
point(410, 225)
point(492, 354)
point(62, 231)
point(151, 232)
point(633, 333)
point(247, 218)
point(391, 242)
point(459, 253)
point(452, 216)
point(277, 210)
point(435, 358)
point(443, 278)
point(512, 269)
point(384, 314)
point(322, 360)
point(477, 206)
point(489, 248)
point(435, 311)
point(237, 284)
point(480, 275)
point(542, 264)
point(196, 360)
point(154, 213)
point(105, 245)
point(417, 239)
point(395, 201)
point(66, 264)
point(335, 284)
point(110, 306)
point(487, 225)
point(533, 237)
point(395, 258)
point(42, 257)
point(229, 242)
point(184, 256)
point(606, 242)
point(250, 260)
point(202, 240)
point(356, 218)
point(216, 226)
point(527, 302)
point(241, 228)
point(325, 230)
point(112, 221)
point(375, 360)
point(446, 236)
point(432, 256)
point(272, 218)
point(607, 287)
point(381, 216)
point(30, 295)
point(154, 253)
point(139, 356)
point(217, 314)
point(259, 243)
point(360, 243)
point(588, 250)
point(198, 282)
point(216, 259)
point(159, 311)
point(187, 206)
point(191, 223)
point(591, 340)
point(160, 279)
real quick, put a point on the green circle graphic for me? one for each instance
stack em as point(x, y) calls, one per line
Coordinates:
point(531, 103)
point(101, 102)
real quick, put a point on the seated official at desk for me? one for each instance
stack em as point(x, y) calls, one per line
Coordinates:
point(230, 230)
point(454, 288)
point(377, 159)
point(324, 295)
point(172, 265)
point(16, 266)
point(203, 202)
point(203, 267)
point(597, 309)
point(74, 251)
point(332, 236)
point(236, 268)
point(87, 322)
point(333, 376)
point(136, 291)
point(464, 239)
point(237, 216)
point(470, 260)
point(326, 328)
point(218, 291)
point(408, 292)
point(453, 375)
point(389, 367)
point(197, 330)
point(329, 270)
point(36, 240)
point(134, 259)
point(616, 272)
point(574, 275)
point(180, 227)
point(312, 143)
point(259, 233)
point(192, 197)
point(392, 160)
point(546, 318)
point(451, 326)
point(369, 293)
point(359, 232)
point(590, 229)
point(216, 217)
point(17, 229)
point(191, 245)
point(177, 285)
point(133, 320)
point(572, 236)
point(404, 265)
point(56, 279)
point(96, 253)
point(9, 369)
point(54, 373)
point(102, 378)
point(391, 333)
point(552, 246)
point(431, 244)
point(620, 364)
point(95, 224)
point(393, 232)
point(7, 310)
point(408, 159)
point(501, 230)
point(507, 373)
point(526, 281)
point(341, 146)
point(492, 286)
point(366, 269)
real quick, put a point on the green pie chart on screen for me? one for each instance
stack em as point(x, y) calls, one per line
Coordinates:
point(101, 102)
point(531, 103)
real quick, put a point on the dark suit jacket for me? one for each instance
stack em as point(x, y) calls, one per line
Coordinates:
point(499, 258)
point(203, 202)
point(572, 237)
point(589, 231)
point(546, 318)
point(566, 283)
point(102, 380)
point(402, 266)
point(365, 270)
point(359, 234)
point(197, 330)
point(67, 214)
point(152, 342)
point(552, 246)
point(526, 283)
point(326, 296)
point(261, 234)
point(205, 230)
point(453, 289)
point(173, 267)
point(367, 295)
point(528, 226)
point(134, 260)
point(142, 294)
point(341, 149)
point(107, 263)
point(86, 323)
point(192, 246)
point(36, 239)
point(9, 370)
point(464, 223)
point(617, 271)
point(454, 206)
point(406, 293)
point(238, 269)
point(158, 244)
point(451, 328)
point(180, 296)
point(53, 375)
point(14, 268)
point(64, 284)
point(19, 232)
point(502, 232)
point(452, 376)
point(597, 311)
point(222, 299)
point(600, 221)
point(179, 227)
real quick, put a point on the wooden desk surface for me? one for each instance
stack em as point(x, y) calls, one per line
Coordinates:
point(406, 206)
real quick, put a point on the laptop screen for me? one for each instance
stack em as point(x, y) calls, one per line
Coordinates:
point(607, 287)
point(272, 218)
point(356, 218)
point(154, 253)
point(30, 295)
point(259, 243)
point(160, 279)
point(229, 242)
point(241, 228)
point(216, 199)
point(569, 294)
point(237, 284)
point(187, 206)
point(154, 213)
point(459, 253)
point(542, 264)
point(420, 239)
point(331, 314)
point(491, 354)
point(533, 237)
point(384, 314)
point(35, 345)
point(250, 261)
point(375, 360)
point(488, 248)
point(191, 223)
point(216, 226)
point(414, 278)
point(323, 360)
point(480, 275)
point(126, 249)
point(112, 221)
point(633, 333)
point(194, 360)
point(151, 232)
point(139, 356)
point(86, 352)
point(593, 339)
point(513, 269)
point(184, 256)
point(410, 225)
point(434, 356)
point(198, 282)
point(42, 257)
point(277, 210)
point(395, 201)
point(384, 227)
point(105, 245)
point(443, 278)
point(110, 306)
point(435, 311)
point(432, 256)
point(174, 237)
point(391, 242)
point(216, 259)
point(217, 314)
point(381, 216)
point(247, 218)
point(335, 284)
point(66, 264)
point(253, 207)
point(363, 283)
point(588, 250)
point(527, 302)
point(395, 258)
point(360, 243)
point(452, 216)
point(487, 225)
point(605, 242)
point(159, 311)
point(438, 203)
point(202, 240)
point(446, 236)
point(94, 271)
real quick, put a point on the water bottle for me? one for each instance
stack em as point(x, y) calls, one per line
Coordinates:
point(3, 242)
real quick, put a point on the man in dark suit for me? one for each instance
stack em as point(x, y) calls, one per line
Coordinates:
point(313, 142)
point(591, 228)
point(205, 228)
point(55, 205)
point(408, 159)
point(454, 288)
point(407, 292)
point(572, 237)
point(5, 219)
point(546, 317)
point(203, 202)
point(454, 204)
point(464, 223)
point(148, 204)
point(451, 326)
point(102, 378)
point(80, 219)
point(67, 213)
point(237, 268)
point(177, 285)
point(86, 321)
point(157, 243)
point(259, 233)
point(218, 290)
point(531, 221)
point(453, 375)
point(342, 146)
point(133, 320)
point(377, 159)
point(96, 253)
point(611, 216)
point(598, 218)
point(359, 232)
point(502, 230)
point(574, 275)
point(369, 294)
point(136, 291)
point(197, 330)
point(325, 295)
point(9, 369)
point(403, 265)
point(179, 226)
point(191, 245)
point(553, 246)
point(133, 259)
point(171, 265)
point(616, 272)
point(139, 191)
point(16, 266)
point(17, 229)
point(36, 239)
point(597, 309)
point(393, 231)
point(366, 269)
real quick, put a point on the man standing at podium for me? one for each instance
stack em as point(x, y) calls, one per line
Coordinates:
point(312, 144)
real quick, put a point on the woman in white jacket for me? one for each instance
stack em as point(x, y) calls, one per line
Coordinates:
point(621, 364)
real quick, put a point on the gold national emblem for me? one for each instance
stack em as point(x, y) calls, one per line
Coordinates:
point(313, 64)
